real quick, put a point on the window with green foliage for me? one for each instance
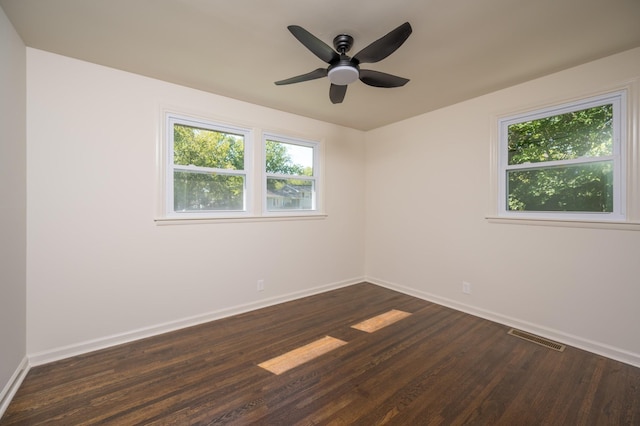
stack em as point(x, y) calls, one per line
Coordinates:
point(218, 171)
point(564, 162)
point(290, 171)
point(207, 167)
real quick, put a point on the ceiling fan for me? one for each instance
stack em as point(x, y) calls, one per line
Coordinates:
point(342, 69)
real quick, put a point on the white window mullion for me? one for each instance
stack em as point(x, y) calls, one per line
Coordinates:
point(207, 170)
point(619, 149)
point(550, 164)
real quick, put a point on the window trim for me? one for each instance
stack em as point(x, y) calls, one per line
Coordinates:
point(621, 146)
point(317, 172)
point(168, 194)
point(254, 151)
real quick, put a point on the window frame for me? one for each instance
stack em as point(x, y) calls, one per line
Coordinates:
point(172, 119)
point(315, 178)
point(255, 207)
point(619, 157)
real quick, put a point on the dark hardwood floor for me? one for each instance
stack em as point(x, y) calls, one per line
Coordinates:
point(436, 366)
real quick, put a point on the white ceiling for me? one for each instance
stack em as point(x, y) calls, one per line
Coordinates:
point(459, 49)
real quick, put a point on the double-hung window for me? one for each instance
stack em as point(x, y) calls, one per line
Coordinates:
point(565, 162)
point(208, 171)
point(220, 171)
point(290, 175)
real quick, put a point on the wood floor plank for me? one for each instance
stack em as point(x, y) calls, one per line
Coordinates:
point(435, 366)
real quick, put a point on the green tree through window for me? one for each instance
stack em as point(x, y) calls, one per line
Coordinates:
point(290, 179)
point(561, 163)
point(209, 179)
point(209, 169)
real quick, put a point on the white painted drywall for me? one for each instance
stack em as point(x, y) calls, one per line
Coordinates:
point(428, 192)
point(98, 264)
point(13, 172)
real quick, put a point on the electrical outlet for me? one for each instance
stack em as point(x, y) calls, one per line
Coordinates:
point(260, 285)
point(466, 287)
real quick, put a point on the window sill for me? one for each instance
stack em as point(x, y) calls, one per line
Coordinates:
point(163, 221)
point(566, 223)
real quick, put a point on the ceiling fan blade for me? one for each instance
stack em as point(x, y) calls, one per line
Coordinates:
point(385, 46)
point(314, 44)
point(317, 73)
point(336, 93)
point(381, 79)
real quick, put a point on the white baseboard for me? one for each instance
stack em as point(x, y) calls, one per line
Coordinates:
point(12, 386)
point(559, 336)
point(105, 342)
point(56, 354)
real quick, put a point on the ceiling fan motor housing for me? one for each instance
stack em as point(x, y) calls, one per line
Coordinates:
point(343, 43)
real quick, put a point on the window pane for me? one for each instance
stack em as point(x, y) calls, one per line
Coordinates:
point(576, 188)
point(201, 191)
point(584, 133)
point(289, 194)
point(207, 148)
point(289, 159)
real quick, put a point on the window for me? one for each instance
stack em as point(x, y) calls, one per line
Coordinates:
point(213, 171)
point(207, 171)
point(290, 174)
point(565, 162)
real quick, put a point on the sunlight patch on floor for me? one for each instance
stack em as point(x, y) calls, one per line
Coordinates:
point(381, 321)
point(296, 357)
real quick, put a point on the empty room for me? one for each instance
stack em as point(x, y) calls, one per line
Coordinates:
point(309, 213)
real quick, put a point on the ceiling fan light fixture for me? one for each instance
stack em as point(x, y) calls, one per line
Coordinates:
point(344, 70)
point(342, 75)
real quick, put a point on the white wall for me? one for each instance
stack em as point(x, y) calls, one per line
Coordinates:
point(13, 172)
point(428, 192)
point(101, 271)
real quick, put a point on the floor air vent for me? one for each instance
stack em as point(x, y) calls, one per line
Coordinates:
point(537, 339)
